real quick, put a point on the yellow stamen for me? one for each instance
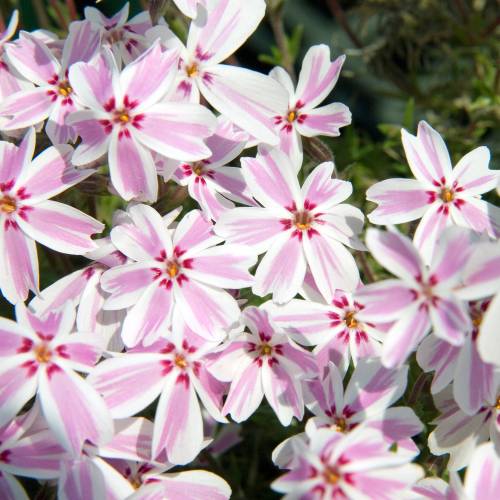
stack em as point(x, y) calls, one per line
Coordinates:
point(350, 320)
point(124, 117)
point(291, 116)
point(303, 220)
point(8, 205)
point(266, 350)
point(340, 424)
point(180, 361)
point(497, 405)
point(192, 70)
point(65, 89)
point(447, 195)
point(331, 476)
point(197, 169)
point(172, 269)
point(42, 353)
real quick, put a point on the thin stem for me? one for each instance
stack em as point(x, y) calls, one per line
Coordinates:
point(60, 17)
point(73, 13)
point(418, 387)
point(339, 14)
point(276, 20)
point(365, 265)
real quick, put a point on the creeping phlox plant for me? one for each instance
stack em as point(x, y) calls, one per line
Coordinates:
point(185, 319)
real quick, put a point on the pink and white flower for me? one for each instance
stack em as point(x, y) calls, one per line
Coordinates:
point(210, 182)
point(28, 215)
point(125, 38)
point(366, 402)
point(39, 355)
point(333, 328)
point(458, 433)
point(247, 98)
point(83, 289)
point(126, 120)
point(263, 363)
point(463, 366)
point(422, 297)
point(177, 372)
point(53, 97)
point(10, 80)
point(302, 117)
point(26, 452)
point(440, 195)
point(298, 228)
point(181, 270)
point(482, 479)
point(354, 465)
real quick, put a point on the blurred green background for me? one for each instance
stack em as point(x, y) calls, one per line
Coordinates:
point(406, 60)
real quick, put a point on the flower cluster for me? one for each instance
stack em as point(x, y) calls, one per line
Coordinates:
point(124, 369)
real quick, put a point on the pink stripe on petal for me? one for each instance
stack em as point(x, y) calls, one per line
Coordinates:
point(11, 488)
point(26, 108)
point(83, 41)
point(74, 410)
point(318, 75)
point(429, 229)
point(150, 317)
point(17, 386)
point(395, 252)
point(479, 215)
point(482, 479)
point(210, 201)
point(131, 168)
point(57, 128)
point(282, 269)
point(399, 200)
point(178, 423)
point(126, 284)
point(450, 320)
point(472, 172)
point(61, 227)
point(32, 59)
point(405, 335)
point(435, 149)
point(326, 120)
point(19, 266)
point(50, 173)
point(194, 232)
point(177, 130)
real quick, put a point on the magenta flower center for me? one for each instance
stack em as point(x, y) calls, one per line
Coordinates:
point(42, 353)
point(8, 204)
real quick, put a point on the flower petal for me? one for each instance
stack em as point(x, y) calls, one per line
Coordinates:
point(472, 172)
point(326, 120)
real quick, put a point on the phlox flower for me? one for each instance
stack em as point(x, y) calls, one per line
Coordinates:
point(422, 297)
point(458, 433)
point(176, 371)
point(83, 289)
point(10, 80)
point(53, 96)
point(126, 120)
point(26, 452)
point(298, 228)
point(28, 215)
point(332, 327)
point(302, 117)
point(247, 98)
point(39, 355)
point(463, 366)
point(354, 465)
point(440, 195)
point(174, 270)
point(482, 479)
point(262, 363)
point(366, 402)
point(481, 278)
point(125, 38)
point(210, 182)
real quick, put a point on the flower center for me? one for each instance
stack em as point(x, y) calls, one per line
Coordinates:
point(197, 169)
point(122, 116)
point(302, 220)
point(180, 361)
point(350, 320)
point(266, 350)
point(65, 88)
point(447, 195)
point(42, 353)
point(477, 318)
point(192, 70)
point(114, 35)
point(172, 269)
point(331, 475)
point(291, 117)
point(340, 424)
point(8, 204)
